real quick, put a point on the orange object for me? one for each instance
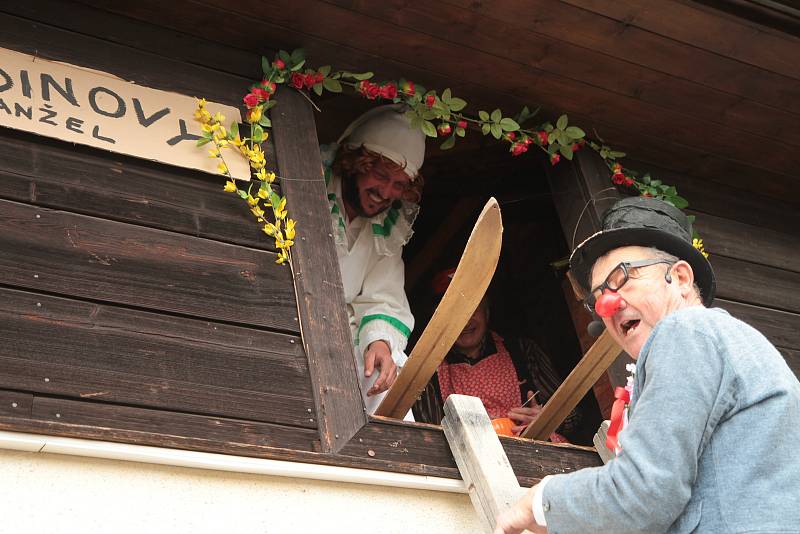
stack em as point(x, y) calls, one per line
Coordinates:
point(503, 426)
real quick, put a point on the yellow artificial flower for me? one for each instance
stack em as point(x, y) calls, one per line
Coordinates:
point(257, 211)
point(254, 115)
point(214, 153)
point(269, 229)
point(256, 156)
point(290, 232)
point(283, 257)
point(207, 128)
point(202, 115)
point(698, 244)
point(252, 201)
point(222, 132)
point(280, 209)
point(219, 117)
point(237, 141)
point(262, 193)
point(230, 187)
point(201, 103)
point(222, 168)
point(270, 177)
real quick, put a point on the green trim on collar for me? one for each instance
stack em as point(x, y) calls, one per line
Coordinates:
point(399, 325)
point(388, 223)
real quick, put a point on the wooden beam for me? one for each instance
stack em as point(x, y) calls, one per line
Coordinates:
point(480, 457)
point(571, 391)
point(317, 280)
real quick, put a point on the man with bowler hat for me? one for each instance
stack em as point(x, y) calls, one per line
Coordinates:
point(713, 418)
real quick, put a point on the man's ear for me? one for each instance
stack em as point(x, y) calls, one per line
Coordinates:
point(683, 275)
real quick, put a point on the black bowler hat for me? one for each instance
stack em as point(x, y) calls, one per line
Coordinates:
point(644, 222)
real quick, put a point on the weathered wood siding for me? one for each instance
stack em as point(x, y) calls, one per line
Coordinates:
point(136, 297)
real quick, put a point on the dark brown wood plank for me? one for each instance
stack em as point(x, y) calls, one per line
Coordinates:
point(15, 404)
point(531, 458)
point(92, 258)
point(792, 358)
point(162, 72)
point(756, 284)
point(734, 239)
point(98, 336)
point(706, 29)
point(621, 39)
point(124, 418)
point(780, 327)
point(55, 174)
point(477, 32)
point(318, 282)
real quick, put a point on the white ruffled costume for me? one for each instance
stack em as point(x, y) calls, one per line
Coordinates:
point(370, 249)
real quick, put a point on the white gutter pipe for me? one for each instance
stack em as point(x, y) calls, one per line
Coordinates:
point(222, 462)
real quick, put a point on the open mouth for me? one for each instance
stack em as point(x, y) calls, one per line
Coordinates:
point(376, 199)
point(629, 326)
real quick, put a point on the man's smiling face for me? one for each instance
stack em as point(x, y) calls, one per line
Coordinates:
point(378, 188)
point(646, 297)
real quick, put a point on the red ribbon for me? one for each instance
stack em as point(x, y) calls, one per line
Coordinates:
point(623, 397)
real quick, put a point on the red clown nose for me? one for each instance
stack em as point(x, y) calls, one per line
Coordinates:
point(608, 304)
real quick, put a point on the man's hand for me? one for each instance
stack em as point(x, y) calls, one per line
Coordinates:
point(524, 416)
point(519, 517)
point(379, 356)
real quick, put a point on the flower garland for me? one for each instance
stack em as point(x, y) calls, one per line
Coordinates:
point(437, 115)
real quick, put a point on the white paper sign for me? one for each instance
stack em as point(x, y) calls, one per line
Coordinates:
point(94, 108)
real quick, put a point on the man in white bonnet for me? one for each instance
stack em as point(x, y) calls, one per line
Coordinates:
point(374, 187)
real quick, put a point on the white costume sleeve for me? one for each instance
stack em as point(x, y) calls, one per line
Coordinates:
point(381, 309)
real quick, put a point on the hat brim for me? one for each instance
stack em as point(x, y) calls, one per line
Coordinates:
point(585, 254)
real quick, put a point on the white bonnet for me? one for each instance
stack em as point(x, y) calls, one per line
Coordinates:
point(386, 131)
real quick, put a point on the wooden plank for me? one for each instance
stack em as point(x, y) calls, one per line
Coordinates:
point(318, 281)
point(162, 72)
point(96, 259)
point(706, 29)
point(98, 352)
point(125, 418)
point(54, 174)
point(792, 358)
point(598, 70)
point(481, 460)
point(621, 39)
point(593, 364)
point(779, 327)
point(15, 404)
point(756, 284)
point(471, 280)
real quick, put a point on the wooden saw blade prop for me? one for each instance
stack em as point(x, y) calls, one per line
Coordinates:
point(472, 277)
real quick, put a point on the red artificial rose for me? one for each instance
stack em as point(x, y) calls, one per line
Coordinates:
point(511, 136)
point(617, 168)
point(369, 89)
point(555, 158)
point(445, 128)
point(408, 88)
point(268, 86)
point(462, 125)
point(430, 100)
point(251, 100)
point(542, 137)
point(310, 80)
point(389, 91)
point(618, 178)
point(262, 94)
point(279, 64)
point(527, 140)
point(297, 80)
point(628, 181)
point(576, 147)
point(518, 148)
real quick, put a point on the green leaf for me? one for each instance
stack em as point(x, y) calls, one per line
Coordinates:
point(334, 86)
point(299, 66)
point(266, 65)
point(270, 104)
point(486, 128)
point(460, 132)
point(265, 122)
point(242, 193)
point(233, 131)
point(324, 70)
point(547, 127)
point(552, 136)
point(429, 114)
point(258, 133)
point(615, 154)
point(566, 151)
point(496, 115)
point(509, 125)
point(298, 55)
point(575, 133)
point(446, 95)
point(646, 179)
point(428, 128)
point(450, 143)
point(671, 191)
point(562, 122)
point(483, 115)
point(497, 132)
point(203, 140)
point(679, 202)
point(362, 76)
point(317, 88)
point(655, 183)
point(284, 55)
point(457, 104)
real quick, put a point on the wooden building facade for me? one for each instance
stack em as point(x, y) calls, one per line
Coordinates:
point(140, 304)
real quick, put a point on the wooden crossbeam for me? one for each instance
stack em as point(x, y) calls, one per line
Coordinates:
point(593, 364)
point(480, 457)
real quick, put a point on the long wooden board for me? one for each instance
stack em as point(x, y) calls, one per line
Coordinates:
point(473, 275)
point(593, 364)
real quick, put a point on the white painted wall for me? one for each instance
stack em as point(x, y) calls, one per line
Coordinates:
point(55, 494)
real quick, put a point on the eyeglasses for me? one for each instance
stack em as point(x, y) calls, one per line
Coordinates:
point(618, 277)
